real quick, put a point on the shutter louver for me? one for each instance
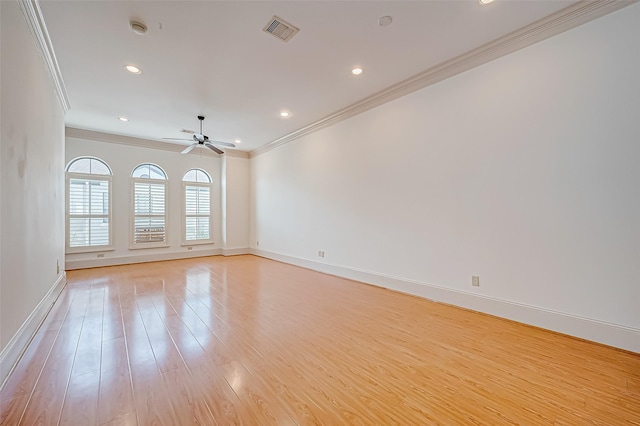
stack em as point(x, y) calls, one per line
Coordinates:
point(149, 212)
point(197, 212)
point(88, 212)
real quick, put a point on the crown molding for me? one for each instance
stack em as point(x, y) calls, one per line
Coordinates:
point(35, 22)
point(72, 132)
point(236, 154)
point(561, 21)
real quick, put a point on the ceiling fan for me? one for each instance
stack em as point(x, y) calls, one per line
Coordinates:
point(201, 139)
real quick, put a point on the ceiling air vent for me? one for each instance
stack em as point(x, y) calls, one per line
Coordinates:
point(280, 29)
point(191, 132)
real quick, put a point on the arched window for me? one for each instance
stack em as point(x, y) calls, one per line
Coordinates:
point(88, 207)
point(196, 223)
point(149, 183)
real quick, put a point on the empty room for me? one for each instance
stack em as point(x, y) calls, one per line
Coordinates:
point(320, 212)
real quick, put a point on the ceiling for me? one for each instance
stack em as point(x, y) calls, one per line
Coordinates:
point(212, 58)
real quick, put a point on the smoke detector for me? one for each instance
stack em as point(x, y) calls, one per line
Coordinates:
point(280, 29)
point(386, 20)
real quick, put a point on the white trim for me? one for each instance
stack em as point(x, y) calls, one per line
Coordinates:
point(144, 258)
point(67, 217)
point(620, 336)
point(89, 157)
point(72, 132)
point(89, 249)
point(197, 243)
point(563, 20)
point(12, 353)
point(236, 251)
point(236, 153)
point(35, 22)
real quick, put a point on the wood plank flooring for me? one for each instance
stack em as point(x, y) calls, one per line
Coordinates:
point(245, 340)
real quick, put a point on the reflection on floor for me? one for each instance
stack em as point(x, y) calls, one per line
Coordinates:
point(245, 340)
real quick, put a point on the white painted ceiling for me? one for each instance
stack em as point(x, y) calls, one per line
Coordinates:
point(212, 58)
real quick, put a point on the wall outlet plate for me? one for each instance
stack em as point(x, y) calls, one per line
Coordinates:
point(475, 281)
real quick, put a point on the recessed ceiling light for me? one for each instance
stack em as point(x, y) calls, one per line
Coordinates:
point(238, 141)
point(356, 71)
point(485, 1)
point(133, 69)
point(384, 21)
point(284, 114)
point(138, 27)
point(123, 119)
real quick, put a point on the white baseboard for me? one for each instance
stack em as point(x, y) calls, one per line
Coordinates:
point(20, 340)
point(235, 251)
point(616, 335)
point(141, 258)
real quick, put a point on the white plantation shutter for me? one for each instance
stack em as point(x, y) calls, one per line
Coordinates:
point(197, 206)
point(149, 207)
point(197, 212)
point(149, 212)
point(88, 205)
point(88, 218)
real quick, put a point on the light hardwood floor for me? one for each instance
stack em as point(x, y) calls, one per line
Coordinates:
point(245, 340)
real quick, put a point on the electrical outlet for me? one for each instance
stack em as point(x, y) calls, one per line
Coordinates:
point(57, 266)
point(320, 253)
point(257, 243)
point(189, 248)
point(100, 254)
point(475, 281)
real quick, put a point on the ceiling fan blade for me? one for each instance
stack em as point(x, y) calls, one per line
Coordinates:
point(213, 148)
point(189, 148)
point(178, 139)
point(230, 145)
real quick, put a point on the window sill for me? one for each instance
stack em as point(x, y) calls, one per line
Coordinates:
point(197, 243)
point(148, 246)
point(80, 250)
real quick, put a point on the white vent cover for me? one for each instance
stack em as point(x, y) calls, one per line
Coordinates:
point(280, 29)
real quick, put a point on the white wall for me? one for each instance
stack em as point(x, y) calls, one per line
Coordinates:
point(123, 159)
point(235, 194)
point(31, 180)
point(523, 171)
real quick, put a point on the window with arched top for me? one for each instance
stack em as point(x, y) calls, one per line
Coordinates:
point(88, 205)
point(149, 171)
point(149, 206)
point(196, 223)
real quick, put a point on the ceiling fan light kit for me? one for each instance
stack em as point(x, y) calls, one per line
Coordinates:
point(200, 139)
